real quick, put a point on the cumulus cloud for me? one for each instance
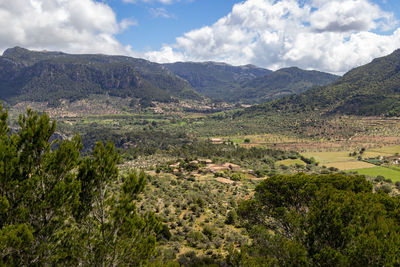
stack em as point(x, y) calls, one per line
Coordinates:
point(328, 35)
point(343, 16)
point(76, 26)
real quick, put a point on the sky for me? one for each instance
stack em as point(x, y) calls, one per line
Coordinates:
point(327, 35)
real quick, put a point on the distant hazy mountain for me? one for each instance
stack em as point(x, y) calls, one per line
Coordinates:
point(46, 76)
point(249, 84)
point(372, 89)
point(216, 80)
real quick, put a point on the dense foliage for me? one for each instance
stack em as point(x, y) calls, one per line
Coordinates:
point(329, 220)
point(59, 208)
point(145, 141)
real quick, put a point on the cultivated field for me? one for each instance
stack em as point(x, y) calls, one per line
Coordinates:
point(387, 173)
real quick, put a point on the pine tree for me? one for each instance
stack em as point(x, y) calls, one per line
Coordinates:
point(59, 208)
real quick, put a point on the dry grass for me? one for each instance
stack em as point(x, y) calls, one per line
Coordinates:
point(391, 150)
point(224, 180)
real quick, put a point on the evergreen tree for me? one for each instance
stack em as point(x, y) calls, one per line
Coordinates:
point(59, 208)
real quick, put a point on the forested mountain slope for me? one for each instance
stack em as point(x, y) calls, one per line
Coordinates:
point(372, 89)
point(46, 76)
point(286, 81)
point(248, 84)
point(50, 76)
point(216, 80)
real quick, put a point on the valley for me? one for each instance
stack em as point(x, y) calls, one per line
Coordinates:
point(206, 157)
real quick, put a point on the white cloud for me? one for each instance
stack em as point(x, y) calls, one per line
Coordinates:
point(329, 35)
point(160, 12)
point(343, 16)
point(128, 22)
point(76, 26)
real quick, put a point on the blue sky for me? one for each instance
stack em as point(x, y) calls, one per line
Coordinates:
point(327, 35)
point(152, 30)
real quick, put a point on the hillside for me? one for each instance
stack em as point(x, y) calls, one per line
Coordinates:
point(248, 84)
point(283, 82)
point(372, 89)
point(49, 76)
point(216, 80)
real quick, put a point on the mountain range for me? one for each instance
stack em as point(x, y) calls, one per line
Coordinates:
point(50, 76)
point(247, 84)
point(46, 76)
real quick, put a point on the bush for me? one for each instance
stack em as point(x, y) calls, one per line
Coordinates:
point(236, 176)
point(385, 189)
point(209, 232)
point(379, 178)
point(231, 217)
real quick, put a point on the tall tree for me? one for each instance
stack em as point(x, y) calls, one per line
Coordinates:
point(38, 184)
point(113, 231)
point(59, 208)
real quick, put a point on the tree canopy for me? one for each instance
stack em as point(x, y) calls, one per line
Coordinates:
point(315, 220)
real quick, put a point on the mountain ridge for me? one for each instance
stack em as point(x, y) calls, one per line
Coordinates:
point(43, 76)
point(285, 81)
point(247, 83)
point(53, 75)
point(215, 80)
point(372, 90)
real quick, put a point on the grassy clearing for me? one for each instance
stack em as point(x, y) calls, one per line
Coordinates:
point(394, 175)
point(329, 157)
point(290, 162)
point(374, 154)
point(350, 165)
point(395, 168)
point(391, 150)
point(263, 139)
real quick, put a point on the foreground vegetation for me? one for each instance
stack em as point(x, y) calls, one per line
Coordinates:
point(226, 204)
point(58, 208)
point(332, 220)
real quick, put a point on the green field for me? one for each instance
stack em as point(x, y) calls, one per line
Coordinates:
point(350, 165)
point(290, 162)
point(394, 175)
point(329, 157)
